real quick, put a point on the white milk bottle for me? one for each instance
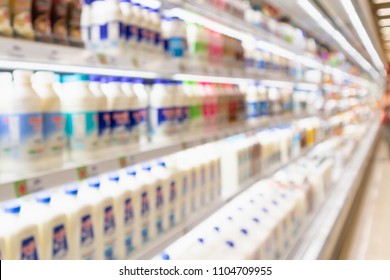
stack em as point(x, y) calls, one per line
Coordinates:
point(149, 186)
point(79, 106)
point(52, 227)
point(119, 105)
point(182, 109)
point(263, 102)
point(129, 36)
point(124, 194)
point(104, 115)
point(4, 254)
point(143, 101)
point(142, 204)
point(107, 26)
point(162, 111)
point(85, 23)
point(80, 216)
point(22, 133)
point(134, 112)
point(105, 220)
point(195, 179)
point(196, 109)
point(159, 192)
point(53, 120)
point(156, 23)
point(22, 238)
point(172, 193)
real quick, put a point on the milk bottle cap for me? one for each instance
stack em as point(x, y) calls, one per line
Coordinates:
point(113, 177)
point(72, 190)
point(12, 207)
point(147, 167)
point(165, 257)
point(94, 183)
point(161, 163)
point(131, 171)
point(138, 81)
point(95, 78)
point(75, 78)
point(44, 198)
point(127, 80)
point(113, 79)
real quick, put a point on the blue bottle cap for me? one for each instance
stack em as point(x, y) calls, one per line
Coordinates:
point(113, 177)
point(165, 257)
point(127, 80)
point(75, 78)
point(94, 183)
point(12, 207)
point(95, 78)
point(72, 190)
point(147, 167)
point(244, 231)
point(44, 197)
point(138, 81)
point(113, 79)
point(131, 171)
point(230, 244)
point(161, 163)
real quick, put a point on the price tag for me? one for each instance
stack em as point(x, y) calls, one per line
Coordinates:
point(123, 162)
point(93, 170)
point(53, 54)
point(16, 50)
point(82, 173)
point(35, 185)
point(21, 188)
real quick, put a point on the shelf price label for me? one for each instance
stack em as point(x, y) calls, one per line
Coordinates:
point(21, 188)
point(82, 173)
point(123, 162)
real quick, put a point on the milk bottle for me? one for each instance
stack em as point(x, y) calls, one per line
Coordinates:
point(80, 222)
point(162, 111)
point(135, 112)
point(53, 121)
point(143, 99)
point(85, 23)
point(107, 30)
point(183, 109)
point(4, 254)
point(159, 191)
point(195, 179)
point(52, 227)
point(129, 27)
point(6, 81)
point(124, 192)
point(172, 193)
point(141, 26)
point(22, 126)
point(176, 37)
point(104, 115)
point(148, 203)
point(22, 239)
point(104, 219)
point(252, 103)
point(196, 107)
point(80, 107)
point(119, 105)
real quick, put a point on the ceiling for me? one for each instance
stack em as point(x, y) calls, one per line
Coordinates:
point(336, 14)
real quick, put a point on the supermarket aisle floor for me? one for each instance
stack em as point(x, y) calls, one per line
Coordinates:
point(369, 232)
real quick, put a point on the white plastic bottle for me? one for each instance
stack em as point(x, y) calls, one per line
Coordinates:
point(105, 220)
point(124, 193)
point(148, 28)
point(182, 108)
point(80, 216)
point(263, 101)
point(252, 103)
point(129, 32)
point(104, 115)
point(119, 105)
point(7, 86)
point(53, 120)
point(107, 26)
point(143, 101)
point(23, 132)
point(80, 107)
point(21, 235)
point(134, 112)
point(85, 23)
point(159, 198)
point(162, 111)
point(52, 227)
point(138, 15)
point(156, 23)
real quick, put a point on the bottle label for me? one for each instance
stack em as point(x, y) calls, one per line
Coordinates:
point(111, 32)
point(22, 136)
point(29, 249)
point(163, 120)
point(129, 220)
point(81, 130)
point(261, 65)
point(109, 233)
point(54, 132)
point(87, 238)
point(263, 108)
point(131, 33)
point(157, 39)
point(129, 213)
point(140, 35)
point(60, 243)
point(172, 201)
point(176, 46)
point(184, 115)
point(249, 63)
point(120, 122)
point(252, 110)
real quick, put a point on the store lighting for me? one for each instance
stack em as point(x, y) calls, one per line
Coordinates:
point(325, 25)
point(384, 22)
point(381, 1)
point(210, 79)
point(383, 12)
point(358, 25)
point(61, 68)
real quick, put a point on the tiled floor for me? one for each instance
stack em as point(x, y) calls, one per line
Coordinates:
point(369, 234)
